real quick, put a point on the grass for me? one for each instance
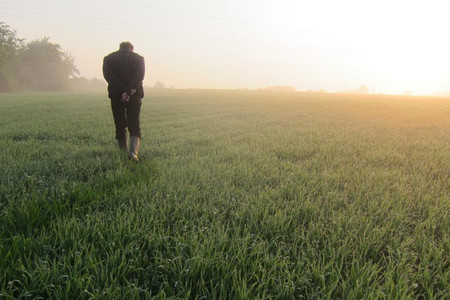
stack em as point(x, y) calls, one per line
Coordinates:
point(240, 195)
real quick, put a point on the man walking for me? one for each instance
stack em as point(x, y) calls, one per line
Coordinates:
point(124, 71)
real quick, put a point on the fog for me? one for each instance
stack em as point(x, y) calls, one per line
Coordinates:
point(388, 47)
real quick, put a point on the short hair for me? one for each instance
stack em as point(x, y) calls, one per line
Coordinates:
point(126, 46)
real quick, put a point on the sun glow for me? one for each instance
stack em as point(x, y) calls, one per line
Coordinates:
point(395, 46)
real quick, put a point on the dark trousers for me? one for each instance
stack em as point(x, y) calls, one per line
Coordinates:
point(126, 115)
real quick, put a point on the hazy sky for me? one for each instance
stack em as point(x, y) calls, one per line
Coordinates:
point(388, 45)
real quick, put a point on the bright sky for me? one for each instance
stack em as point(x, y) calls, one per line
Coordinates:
point(391, 46)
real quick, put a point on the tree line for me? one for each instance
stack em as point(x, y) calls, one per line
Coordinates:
point(36, 65)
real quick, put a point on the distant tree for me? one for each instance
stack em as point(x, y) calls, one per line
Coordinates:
point(45, 66)
point(79, 83)
point(95, 82)
point(37, 65)
point(9, 48)
point(280, 88)
point(361, 90)
point(321, 91)
point(159, 85)
point(82, 83)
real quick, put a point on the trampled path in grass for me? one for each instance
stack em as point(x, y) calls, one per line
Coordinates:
point(240, 195)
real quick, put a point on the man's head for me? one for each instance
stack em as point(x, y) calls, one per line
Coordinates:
point(126, 46)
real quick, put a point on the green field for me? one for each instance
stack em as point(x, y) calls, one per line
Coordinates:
point(240, 195)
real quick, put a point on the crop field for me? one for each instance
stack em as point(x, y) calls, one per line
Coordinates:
point(240, 195)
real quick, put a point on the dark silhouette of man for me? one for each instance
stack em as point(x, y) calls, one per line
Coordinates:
point(124, 71)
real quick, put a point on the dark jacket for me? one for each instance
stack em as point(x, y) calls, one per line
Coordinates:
point(124, 70)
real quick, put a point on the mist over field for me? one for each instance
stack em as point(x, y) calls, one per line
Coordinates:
point(317, 45)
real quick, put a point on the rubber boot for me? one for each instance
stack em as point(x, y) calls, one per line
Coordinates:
point(135, 142)
point(123, 144)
